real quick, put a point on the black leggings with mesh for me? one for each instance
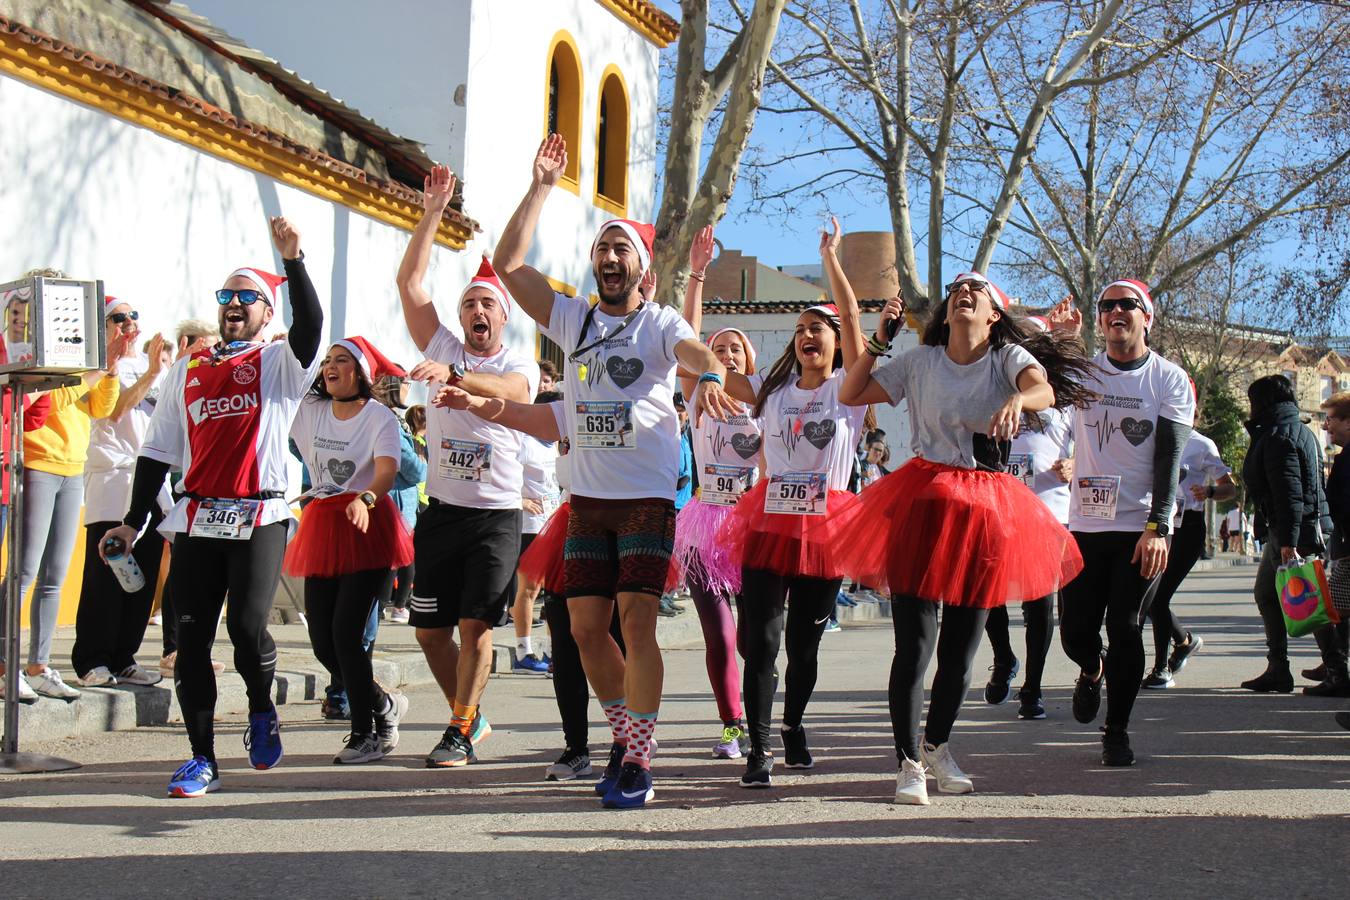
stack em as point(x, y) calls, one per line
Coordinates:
point(1038, 616)
point(917, 635)
point(336, 610)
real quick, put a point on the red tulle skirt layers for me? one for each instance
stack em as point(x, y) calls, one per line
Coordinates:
point(786, 544)
point(960, 536)
point(327, 545)
point(542, 562)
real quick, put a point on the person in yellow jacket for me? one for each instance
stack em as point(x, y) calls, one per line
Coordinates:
point(53, 492)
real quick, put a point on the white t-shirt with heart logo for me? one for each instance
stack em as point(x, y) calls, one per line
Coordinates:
point(620, 406)
point(809, 430)
point(1114, 441)
point(340, 454)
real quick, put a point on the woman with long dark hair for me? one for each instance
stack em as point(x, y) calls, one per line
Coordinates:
point(951, 528)
point(351, 536)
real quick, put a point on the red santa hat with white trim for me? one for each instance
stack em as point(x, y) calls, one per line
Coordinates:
point(1140, 290)
point(266, 282)
point(487, 277)
point(109, 301)
point(372, 362)
point(641, 234)
point(828, 310)
point(995, 292)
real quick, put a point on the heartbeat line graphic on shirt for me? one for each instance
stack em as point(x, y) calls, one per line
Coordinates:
point(790, 440)
point(717, 442)
point(1105, 429)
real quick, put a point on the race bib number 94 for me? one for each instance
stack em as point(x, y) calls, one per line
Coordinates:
point(797, 494)
point(605, 425)
point(1097, 496)
point(723, 485)
point(465, 460)
point(229, 519)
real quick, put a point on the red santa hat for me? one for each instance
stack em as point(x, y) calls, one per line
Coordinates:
point(369, 358)
point(487, 278)
point(1038, 323)
point(641, 234)
point(266, 282)
point(1140, 290)
point(828, 310)
point(109, 301)
point(745, 342)
point(995, 292)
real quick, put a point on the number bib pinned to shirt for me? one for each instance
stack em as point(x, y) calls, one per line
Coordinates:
point(724, 485)
point(605, 425)
point(465, 460)
point(231, 520)
point(1097, 496)
point(1019, 467)
point(797, 494)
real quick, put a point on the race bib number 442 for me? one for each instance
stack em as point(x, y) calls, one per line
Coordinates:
point(465, 460)
point(1097, 496)
point(797, 493)
point(605, 425)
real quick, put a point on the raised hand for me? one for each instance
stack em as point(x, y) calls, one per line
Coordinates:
point(156, 353)
point(701, 251)
point(551, 161)
point(647, 286)
point(427, 370)
point(285, 237)
point(894, 310)
point(187, 347)
point(1065, 316)
point(829, 240)
point(437, 189)
point(452, 398)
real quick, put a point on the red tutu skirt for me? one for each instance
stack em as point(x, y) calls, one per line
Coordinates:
point(327, 545)
point(960, 536)
point(542, 561)
point(786, 544)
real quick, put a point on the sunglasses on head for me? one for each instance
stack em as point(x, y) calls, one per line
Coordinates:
point(974, 284)
point(122, 318)
point(247, 296)
point(1125, 304)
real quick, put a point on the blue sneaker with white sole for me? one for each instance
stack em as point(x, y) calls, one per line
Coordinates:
point(263, 739)
point(194, 778)
point(529, 664)
point(632, 790)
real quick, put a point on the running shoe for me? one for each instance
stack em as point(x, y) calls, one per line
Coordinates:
point(572, 764)
point(796, 755)
point(48, 683)
point(194, 778)
point(137, 674)
point(1158, 678)
point(386, 723)
point(632, 790)
point(667, 608)
point(844, 599)
point(1087, 695)
point(911, 785)
point(481, 730)
point(453, 751)
point(398, 616)
point(999, 688)
point(1116, 748)
point(1182, 652)
point(360, 748)
point(529, 664)
point(942, 766)
point(730, 745)
point(613, 769)
point(833, 626)
point(1271, 681)
point(98, 676)
point(758, 771)
point(335, 707)
point(1031, 705)
point(26, 694)
point(263, 739)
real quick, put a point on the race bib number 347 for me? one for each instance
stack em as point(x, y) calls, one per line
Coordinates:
point(605, 425)
point(1097, 496)
point(797, 493)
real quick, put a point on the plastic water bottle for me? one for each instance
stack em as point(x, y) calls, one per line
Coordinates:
point(124, 565)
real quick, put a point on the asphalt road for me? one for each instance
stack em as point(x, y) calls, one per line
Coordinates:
point(1234, 795)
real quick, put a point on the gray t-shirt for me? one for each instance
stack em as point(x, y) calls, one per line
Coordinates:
point(950, 404)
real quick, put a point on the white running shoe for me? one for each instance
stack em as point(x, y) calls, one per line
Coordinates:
point(398, 616)
point(360, 748)
point(911, 786)
point(386, 725)
point(48, 683)
point(26, 693)
point(98, 676)
point(950, 778)
point(138, 674)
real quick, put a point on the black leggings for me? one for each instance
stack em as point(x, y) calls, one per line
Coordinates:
point(1111, 588)
point(110, 623)
point(569, 680)
point(401, 588)
point(1039, 618)
point(337, 610)
point(759, 633)
point(203, 570)
point(917, 633)
point(1187, 545)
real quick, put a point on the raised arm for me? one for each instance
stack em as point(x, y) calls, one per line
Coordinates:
point(418, 311)
point(509, 386)
point(859, 387)
point(535, 419)
point(530, 288)
point(850, 319)
point(700, 254)
point(306, 311)
point(137, 392)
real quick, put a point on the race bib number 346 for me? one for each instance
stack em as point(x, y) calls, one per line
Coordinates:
point(605, 425)
point(229, 519)
point(1097, 496)
point(797, 493)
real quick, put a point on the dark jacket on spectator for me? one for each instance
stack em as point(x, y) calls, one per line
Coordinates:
point(1283, 476)
point(1338, 501)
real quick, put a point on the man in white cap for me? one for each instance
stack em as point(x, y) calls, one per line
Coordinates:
point(467, 542)
point(624, 434)
point(223, 417)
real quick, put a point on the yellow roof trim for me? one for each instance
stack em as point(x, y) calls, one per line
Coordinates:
point(646, 19)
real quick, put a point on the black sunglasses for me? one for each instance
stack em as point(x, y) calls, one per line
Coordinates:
point(973, 283)
point(120, 318)
point(1123, 303)
point(247, 296)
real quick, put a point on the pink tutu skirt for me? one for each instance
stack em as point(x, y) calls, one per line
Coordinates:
point(785, 544)
point(960, 536)
point(703, 559)
point(327, 545)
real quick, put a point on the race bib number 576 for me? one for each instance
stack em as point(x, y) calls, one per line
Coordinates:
point(797, 493)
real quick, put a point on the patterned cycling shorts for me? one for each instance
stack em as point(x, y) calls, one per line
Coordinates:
point(618, 546)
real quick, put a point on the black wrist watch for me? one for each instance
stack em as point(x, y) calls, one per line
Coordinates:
point(368, 498)
point(1162, 529)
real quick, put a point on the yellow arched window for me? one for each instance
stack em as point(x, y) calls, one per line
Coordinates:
point(563, 106)
point(611, 144)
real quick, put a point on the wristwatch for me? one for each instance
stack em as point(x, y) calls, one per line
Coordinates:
point(368, 498)
point(1161, 528)
point(457, 373)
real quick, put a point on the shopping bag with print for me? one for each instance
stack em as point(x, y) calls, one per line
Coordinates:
point(1304, 596)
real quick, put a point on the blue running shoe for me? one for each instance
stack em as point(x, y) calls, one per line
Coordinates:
point(263, 739)
point(194, 778)
point(529, 664)
point(632, 790)
point(613, 768)
point(481, 730)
